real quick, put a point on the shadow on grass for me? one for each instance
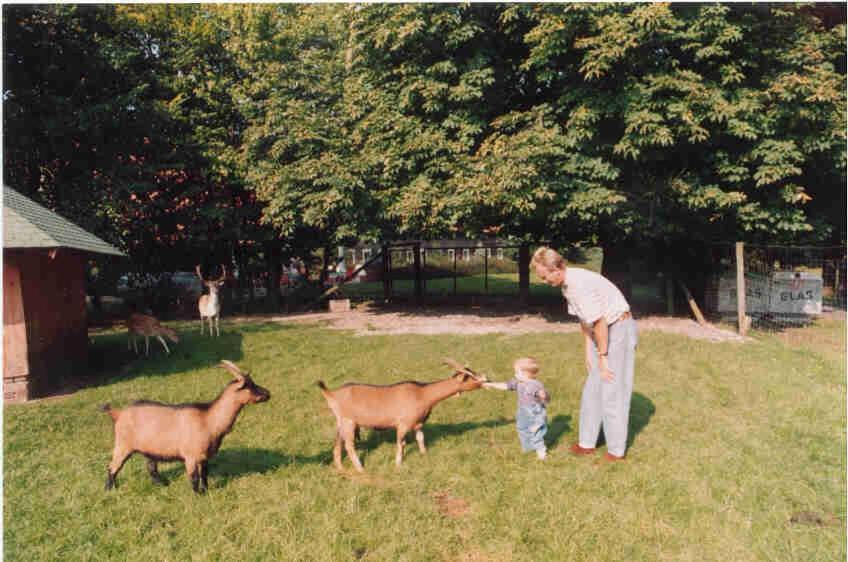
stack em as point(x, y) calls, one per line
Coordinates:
point(558, 426)
point(111, 362)
point(231, 464)
point(641, 410)
point(432, 434)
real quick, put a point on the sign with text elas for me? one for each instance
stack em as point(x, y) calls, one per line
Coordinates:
point(785, 292)
point(796, 292)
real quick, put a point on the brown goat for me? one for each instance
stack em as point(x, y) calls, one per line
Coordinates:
point(191, 433)
point(403, 406)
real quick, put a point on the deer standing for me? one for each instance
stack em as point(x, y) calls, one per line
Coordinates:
point(142, 324)
point(210, 305)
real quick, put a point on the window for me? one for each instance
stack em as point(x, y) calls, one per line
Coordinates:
point(466, 254)
point(500, 253)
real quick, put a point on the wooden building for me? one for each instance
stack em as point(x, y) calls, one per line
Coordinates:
point(45, 332)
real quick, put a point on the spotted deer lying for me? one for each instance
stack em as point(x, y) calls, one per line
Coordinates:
point(404, 406)
point(144, 325)
point(191, 433)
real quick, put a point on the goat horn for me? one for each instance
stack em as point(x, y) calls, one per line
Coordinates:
point(456, 366)
point(233, 368)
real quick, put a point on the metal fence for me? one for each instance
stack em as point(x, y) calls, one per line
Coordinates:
point(783, 285)
point(452, 271)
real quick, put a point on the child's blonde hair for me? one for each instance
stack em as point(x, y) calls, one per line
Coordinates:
point(547, 258)
point(527, 365)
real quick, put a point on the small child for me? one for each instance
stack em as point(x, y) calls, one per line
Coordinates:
point(531, 418)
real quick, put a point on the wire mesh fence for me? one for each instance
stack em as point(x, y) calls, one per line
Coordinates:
point(784, 285)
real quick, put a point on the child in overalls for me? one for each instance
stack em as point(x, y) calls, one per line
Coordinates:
point(531, 419)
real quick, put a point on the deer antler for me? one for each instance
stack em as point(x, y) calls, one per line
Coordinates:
point(197, 269)
point(223, 272)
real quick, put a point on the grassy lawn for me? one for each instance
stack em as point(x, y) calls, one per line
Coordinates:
point(728, 442)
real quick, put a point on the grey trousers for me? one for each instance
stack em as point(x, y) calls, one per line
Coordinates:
point(608, 403)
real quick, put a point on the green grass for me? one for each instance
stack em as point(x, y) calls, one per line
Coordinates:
point(728, 442)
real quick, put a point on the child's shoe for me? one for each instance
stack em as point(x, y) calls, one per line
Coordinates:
point(542, 454)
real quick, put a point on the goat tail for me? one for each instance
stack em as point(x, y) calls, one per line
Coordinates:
point(112, 413)
point(328, 396)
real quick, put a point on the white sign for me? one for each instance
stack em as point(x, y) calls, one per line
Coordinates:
point(756, 293)
point(785, 292)
point(796, 292)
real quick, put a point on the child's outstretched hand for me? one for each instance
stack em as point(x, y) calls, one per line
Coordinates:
point(495, 385)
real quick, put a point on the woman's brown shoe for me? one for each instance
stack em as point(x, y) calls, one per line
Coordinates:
point(576, 449)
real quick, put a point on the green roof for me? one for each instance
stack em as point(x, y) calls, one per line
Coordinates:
point(26, 224)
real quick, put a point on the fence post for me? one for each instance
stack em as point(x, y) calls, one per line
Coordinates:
point(416, 260)
point(454, 271)
point(387, 269)
point(524, 274)
point(740, 288)
point(486, 270)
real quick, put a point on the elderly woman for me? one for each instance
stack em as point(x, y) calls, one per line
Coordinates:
point(610, 336)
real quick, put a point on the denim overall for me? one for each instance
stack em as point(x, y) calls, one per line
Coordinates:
point(531, 419)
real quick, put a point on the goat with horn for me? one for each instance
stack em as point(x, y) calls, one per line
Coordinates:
point(403, 406)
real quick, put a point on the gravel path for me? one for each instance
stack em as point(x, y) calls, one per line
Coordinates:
point(369, 322)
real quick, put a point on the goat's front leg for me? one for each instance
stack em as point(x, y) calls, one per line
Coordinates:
point(217, 325)
point(193, 473)
point(147, 345)
point(201, 325)
point(401, 442)
point(204, 474)
point(419, 436)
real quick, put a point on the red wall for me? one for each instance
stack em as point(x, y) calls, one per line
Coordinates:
point(53, 295)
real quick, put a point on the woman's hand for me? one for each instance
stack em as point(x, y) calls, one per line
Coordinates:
point(606, 374)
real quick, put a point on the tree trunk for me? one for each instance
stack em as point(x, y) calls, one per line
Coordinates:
point(273, 252)
point(325, 268)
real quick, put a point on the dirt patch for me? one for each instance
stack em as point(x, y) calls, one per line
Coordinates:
point(368, 321)
point(450, 506)
point(815, 519)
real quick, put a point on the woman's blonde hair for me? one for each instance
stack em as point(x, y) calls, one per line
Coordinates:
point(527, 365)
point(547, 258)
